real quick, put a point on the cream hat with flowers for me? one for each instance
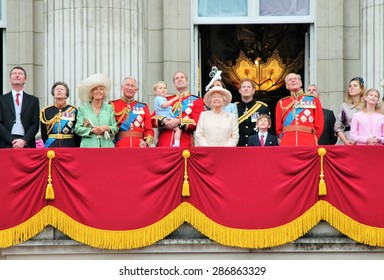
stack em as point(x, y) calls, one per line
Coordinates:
point(85, 87)
point(226, 93)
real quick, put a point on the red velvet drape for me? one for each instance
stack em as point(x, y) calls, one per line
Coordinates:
point(253, 188)
point(127, 195)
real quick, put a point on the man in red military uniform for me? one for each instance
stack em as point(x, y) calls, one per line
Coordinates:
point(299, 117)
point(132, 117)
point(186, 113)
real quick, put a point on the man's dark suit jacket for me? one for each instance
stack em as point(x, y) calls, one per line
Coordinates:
point(328, 137)
point(271, 140)
point(30, 110)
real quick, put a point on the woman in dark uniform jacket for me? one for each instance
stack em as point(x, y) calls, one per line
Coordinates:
point(58, 121)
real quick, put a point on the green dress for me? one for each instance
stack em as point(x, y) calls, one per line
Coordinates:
point(105, 117)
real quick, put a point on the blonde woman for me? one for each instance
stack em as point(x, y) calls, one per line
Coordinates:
point(96, 124)
point(367, 126)
point(353, 103)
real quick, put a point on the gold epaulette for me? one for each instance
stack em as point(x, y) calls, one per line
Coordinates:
point(42, 115)
point(265, 104)
point(46, 108)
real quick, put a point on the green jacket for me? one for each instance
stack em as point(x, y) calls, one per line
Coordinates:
point(105, 117)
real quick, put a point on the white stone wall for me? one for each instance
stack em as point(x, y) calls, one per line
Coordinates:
point(151, 39)
point(330, 52)
point(87, 37)
point(25, 43)
point(372, 38)
point(169, 42)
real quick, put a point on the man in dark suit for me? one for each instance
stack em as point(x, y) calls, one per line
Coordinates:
point(19, 114)
point(262, 137)
point(328, 137)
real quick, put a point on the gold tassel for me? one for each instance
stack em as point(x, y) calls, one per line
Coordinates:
point(322, 188)
point(322, 185)
point(186, 192)
point(49, 192)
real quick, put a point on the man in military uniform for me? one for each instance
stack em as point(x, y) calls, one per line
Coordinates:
point(249, 109)
point(132, 117)
point(186, 113)
point(299, 117)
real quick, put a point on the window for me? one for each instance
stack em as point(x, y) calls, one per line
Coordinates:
point(233, 8)
point(265, 53)
point(284, 8)
point(223, 8)
point(253, 11)
point(226, 31)
point(263, 40)
point(2, 13)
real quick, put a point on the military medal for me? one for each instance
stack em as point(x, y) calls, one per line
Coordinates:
point(188, 111)
point(254, 117)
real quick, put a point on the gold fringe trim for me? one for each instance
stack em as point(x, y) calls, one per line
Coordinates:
point(362, 233)
point(185, 212)
point(49, 192)
point(322, 187)
point(24, 231)
point(254, 238)
point(115, 239)
point(186, 191)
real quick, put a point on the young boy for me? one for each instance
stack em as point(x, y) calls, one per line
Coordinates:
point(163, 107)
point(263, 138)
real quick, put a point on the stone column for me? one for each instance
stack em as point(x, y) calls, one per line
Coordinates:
point(91, 36)
point(372, 42)
point(25, 44)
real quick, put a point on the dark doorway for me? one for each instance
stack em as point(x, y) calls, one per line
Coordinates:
point(242, 50)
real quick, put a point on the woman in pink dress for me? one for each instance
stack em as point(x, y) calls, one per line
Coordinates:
point(367, 126)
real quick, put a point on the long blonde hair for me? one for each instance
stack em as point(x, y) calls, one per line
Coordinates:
point(377, 106)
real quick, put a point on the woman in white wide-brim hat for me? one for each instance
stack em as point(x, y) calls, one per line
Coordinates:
point(217, 127)
point(215, 74)
point(96, 124)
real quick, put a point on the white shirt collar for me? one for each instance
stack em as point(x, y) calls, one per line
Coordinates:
point(14, 93)
point(263, 133)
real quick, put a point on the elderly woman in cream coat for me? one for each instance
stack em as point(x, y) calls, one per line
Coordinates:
point(96, 123)
point(217, 127)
